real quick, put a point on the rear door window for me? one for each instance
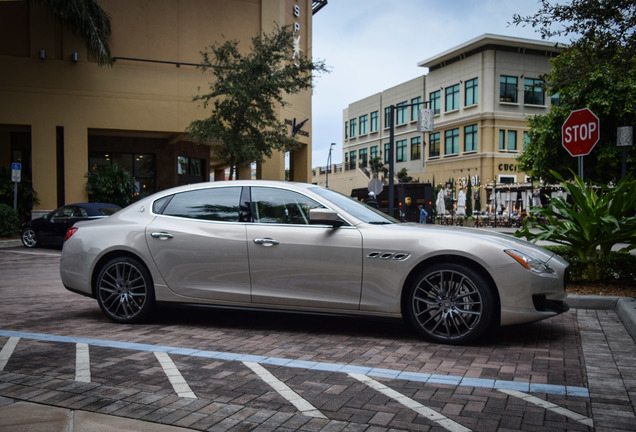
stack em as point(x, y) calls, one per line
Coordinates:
point(214, 204)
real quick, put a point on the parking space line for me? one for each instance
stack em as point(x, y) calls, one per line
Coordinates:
point(82, 363)
point(430, 414)
point(7, 350)
point(550, 407)
point(560, 390)
point(294, 398)
point(179, 383)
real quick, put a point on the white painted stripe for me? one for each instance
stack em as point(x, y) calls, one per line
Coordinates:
point(430, 414)
point(7, 350)
point(179, 383)
point(294, 398)
point(550, 406)
point(82, 363)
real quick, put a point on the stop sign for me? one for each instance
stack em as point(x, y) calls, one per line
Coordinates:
point(580, 132)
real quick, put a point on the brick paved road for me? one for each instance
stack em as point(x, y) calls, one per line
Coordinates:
point(229, 370)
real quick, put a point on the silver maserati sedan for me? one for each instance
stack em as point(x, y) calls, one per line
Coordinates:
point(301, 247)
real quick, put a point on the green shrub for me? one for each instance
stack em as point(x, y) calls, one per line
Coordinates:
point(594, 219)
point(27, 197)
point(110, 184)
point(617, 267)
point(9, 222)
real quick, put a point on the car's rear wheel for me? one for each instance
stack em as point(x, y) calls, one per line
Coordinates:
point(124, 290)
point(451, 303)
point(29, 237)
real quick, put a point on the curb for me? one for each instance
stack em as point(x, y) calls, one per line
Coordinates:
point(625, 308)
point(10, 243)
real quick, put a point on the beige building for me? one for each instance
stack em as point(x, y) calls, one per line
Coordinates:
point(481, 92)
point(61, 113)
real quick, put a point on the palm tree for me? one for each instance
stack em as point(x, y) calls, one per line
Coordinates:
point(86, 19)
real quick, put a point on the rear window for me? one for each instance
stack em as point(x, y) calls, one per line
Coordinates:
point(107, 211)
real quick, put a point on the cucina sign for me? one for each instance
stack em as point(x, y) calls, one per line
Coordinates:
point(507, 167)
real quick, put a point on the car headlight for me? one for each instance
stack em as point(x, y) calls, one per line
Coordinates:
point(530, 262)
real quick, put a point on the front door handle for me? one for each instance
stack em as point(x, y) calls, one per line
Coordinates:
point(161, 235)
point(266, 241)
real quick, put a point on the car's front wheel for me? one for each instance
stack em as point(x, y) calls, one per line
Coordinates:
point(29, 237)
point(451, 303)
point(125, 291)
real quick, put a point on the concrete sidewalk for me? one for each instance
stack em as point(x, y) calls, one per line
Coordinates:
point(19, 416)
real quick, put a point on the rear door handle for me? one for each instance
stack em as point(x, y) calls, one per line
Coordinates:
point(161, 235)
point(266, 241)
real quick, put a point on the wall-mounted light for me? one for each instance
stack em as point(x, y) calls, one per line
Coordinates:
point(42, 54)
point(75, 57)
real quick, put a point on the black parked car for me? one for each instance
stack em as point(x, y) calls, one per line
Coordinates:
point(51, 228)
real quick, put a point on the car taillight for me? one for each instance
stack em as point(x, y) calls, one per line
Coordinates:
point(69, 233)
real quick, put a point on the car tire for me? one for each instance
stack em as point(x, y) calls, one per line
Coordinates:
point(452, 304)
point(29, 237)
point(124, 291)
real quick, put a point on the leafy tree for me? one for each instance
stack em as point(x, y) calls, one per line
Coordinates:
point(597, 218)
point(469, 199)
point(247, 90)
point(596, 70)
point(110, 184)
point(86, 19)
point(403, 176)
point(377, 166)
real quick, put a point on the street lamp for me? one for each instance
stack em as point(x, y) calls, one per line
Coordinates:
point(329, 165)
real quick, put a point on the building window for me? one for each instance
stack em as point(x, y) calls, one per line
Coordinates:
point(512, 140)
point(400, 113)
point(452, 98)
point(533, 92)
point(374, 152)
point(352, 127)
point(554, 100)
point(415, 108)
point(364, 124)
point(416, 148)
point(352, 160)
point(526, 140)
point(387, 153)
point(346, 130)
point(470, 138)
point(387, 117)
point(374, 121)
point(502, 139)
point(508, 89)
point(470, 92)
point(363, 157)
point(433, 144)
point(401, 151)
point(451, 141)
point(435, 98)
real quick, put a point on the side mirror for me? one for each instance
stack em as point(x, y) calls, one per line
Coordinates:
point(320, 216)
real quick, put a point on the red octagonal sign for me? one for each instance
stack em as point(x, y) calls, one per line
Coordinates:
point(580, 132)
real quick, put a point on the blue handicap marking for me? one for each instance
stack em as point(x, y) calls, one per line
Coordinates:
point(16, 166)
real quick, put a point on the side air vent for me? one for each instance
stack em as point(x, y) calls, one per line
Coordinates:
point(399, 256)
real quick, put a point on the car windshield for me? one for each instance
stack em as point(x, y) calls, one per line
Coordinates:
point(355, 208)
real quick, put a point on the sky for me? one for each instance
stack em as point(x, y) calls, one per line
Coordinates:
point(373, 45)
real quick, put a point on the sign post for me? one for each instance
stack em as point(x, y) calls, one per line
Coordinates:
point(16, 174)
point(581, 132)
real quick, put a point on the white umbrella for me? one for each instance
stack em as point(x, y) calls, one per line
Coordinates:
point(439, 203)
point(461, 203)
